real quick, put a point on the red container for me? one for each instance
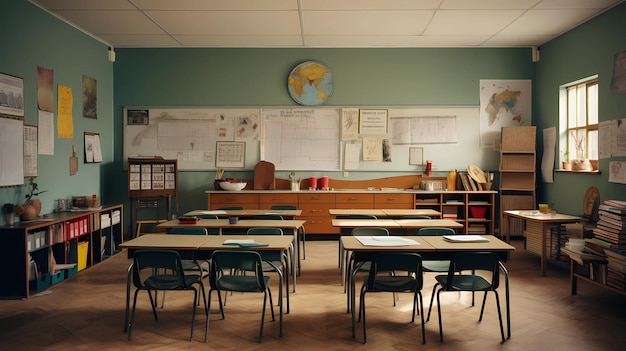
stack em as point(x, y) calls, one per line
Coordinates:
point(478, 211)
point(313, 182)
point(324, 182)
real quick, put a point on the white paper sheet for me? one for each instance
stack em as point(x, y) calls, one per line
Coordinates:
point(385, 241)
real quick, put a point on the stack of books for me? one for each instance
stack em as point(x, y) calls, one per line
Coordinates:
point(616, 268)
point(610, 231)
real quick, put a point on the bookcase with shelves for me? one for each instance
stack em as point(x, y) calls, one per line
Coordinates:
point(72, 240)
point(517, 172)
point(474, 209)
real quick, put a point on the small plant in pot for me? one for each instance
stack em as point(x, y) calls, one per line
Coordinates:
point(567, 164)
point(8, 210)
point(32, 207)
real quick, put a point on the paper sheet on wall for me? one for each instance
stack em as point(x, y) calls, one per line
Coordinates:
point(351, 156)
point(547, 161)
point(617, 172)
point(65, 124)
point(45, 133)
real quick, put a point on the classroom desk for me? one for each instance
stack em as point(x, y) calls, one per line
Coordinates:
point(221, 224)
point(245, 213)
point(201, 247)
point(383, 213)
point(434, 248)
point(537, 229)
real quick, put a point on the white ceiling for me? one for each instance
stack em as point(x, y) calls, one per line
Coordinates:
point(325, 23)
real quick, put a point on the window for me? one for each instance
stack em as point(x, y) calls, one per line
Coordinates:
point(582, 119)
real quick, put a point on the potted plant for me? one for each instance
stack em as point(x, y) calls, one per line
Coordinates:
point(32, 207)
point(8, 210)
point(566, 163)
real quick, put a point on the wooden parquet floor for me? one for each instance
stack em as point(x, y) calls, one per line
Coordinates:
point(86, 312)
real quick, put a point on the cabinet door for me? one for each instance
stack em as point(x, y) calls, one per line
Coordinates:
point(266, 201)
point(354, 201)
point(227, 199)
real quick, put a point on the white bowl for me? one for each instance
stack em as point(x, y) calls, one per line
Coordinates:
point(576, 244)
point(232, 186)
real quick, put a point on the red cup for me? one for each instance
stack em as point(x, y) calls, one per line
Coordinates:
point(313, 182)
point(324, 182)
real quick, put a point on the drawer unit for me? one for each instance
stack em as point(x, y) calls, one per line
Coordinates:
point(315, 208)
point(344, 200)
point(227, 199)
point(266, 201)
point(393, 200)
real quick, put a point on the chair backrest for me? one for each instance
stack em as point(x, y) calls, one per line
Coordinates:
point(385, 262)
point(435, 231)
point(225, 261)
point(206, 216)
point(268, 217)
point(475, 261)
point(370, 231)
point(415, 217)
point(265, 231)
point(165, 262)
point(188, 231)
point(284, 207)
point(236, 208)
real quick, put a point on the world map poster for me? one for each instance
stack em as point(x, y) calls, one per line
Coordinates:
point(503, 103)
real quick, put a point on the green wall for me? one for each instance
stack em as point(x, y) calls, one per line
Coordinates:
point(257, 77)
point(32, 38)
point(580, 53)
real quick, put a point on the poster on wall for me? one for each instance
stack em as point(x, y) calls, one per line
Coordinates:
point(90, 97)
point(503, 103)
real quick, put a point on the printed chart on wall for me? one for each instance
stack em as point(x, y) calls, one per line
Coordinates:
point(301, 139)
point(188, 135)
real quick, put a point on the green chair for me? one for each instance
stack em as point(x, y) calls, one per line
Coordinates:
point(415, 217)
point(268, 217)
point(359, 261)
point(209, 216)
point(274, 261)
point(191, 265)
point(455, 280)
point(234, 208)
point(345, 232)
point(154, 270)
point(384, 277)
point(302, 237)
point(225, 276)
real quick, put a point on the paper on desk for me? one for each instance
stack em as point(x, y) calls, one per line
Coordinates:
point(238, 241)
point(465, 238)
point(385, 241)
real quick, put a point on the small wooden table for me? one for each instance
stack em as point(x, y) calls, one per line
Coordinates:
point(537, 226)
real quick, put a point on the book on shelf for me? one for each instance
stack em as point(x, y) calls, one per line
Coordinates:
point(615, 216)
point(612, 209)
point(618, 254)
point(615, 203)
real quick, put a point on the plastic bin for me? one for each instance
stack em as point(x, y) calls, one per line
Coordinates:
point(478, 211)
point(83, 250)
point(57, 277)
point(40, 283)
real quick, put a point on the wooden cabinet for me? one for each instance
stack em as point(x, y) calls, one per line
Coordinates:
point(517, 173)
point(249, 201)
point(30, 250)
point(394, 200)
point(315, 208)
point(474, 209)
point(267, 200)
point(354, 200)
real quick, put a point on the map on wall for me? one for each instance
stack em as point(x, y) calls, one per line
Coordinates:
point(503, 103)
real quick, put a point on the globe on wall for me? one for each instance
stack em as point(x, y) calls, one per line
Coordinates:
point(310, 83)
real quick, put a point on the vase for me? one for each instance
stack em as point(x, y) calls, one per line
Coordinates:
point(29, 211)
point(567, 165)
point(9, 219)
point(581, 165)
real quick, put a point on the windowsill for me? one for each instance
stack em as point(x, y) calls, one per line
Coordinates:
point(577, 172)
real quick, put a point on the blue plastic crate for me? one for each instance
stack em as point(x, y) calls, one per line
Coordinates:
point(57, 277)
point(71, 271)
point(40, 283)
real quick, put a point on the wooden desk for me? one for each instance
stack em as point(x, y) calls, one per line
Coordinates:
point(431, 247)
point(221, 224)
point(537, 226)
point(202, 247)
point(245, 213)
point(382, 213)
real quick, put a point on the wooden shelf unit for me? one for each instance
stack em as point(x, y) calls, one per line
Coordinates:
point(58, 237)
point(474, 209)
point(589, 268)
point(518, 174)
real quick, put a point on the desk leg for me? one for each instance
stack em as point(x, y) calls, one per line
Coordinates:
point(573, 278)
point(505, 228)
point(280, 297)
point(295, 258)
point(128, 277)
point(544, 243)
point(507, 301)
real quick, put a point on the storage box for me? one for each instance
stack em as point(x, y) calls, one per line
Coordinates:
point(478, 211)
point(57, 277)
point(83, 250)
point(40, 283)
point(71, 271)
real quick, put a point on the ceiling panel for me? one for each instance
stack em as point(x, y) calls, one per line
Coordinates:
point(325, 23)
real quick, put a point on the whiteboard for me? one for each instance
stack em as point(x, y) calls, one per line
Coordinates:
point(302, 139)
point(11, 152)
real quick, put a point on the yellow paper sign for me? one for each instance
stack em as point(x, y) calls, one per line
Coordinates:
point(64, 123)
